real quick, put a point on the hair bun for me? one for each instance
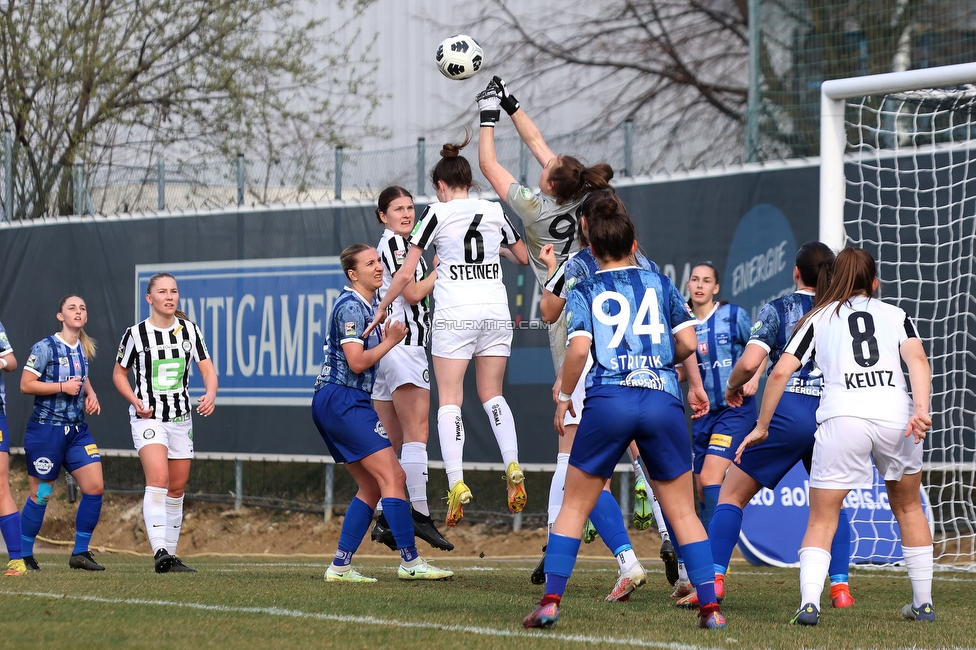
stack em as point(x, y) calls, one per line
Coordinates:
point(450, 151)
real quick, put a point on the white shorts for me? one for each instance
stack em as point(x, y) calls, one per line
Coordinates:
point(472, 331)
point(845, 445)
point(404, 364)
point(578, 394)
point(176, 436)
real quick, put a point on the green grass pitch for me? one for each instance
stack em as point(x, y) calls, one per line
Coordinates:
point(262, 602)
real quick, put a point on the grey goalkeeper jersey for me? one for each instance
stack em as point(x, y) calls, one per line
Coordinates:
point(545, 222)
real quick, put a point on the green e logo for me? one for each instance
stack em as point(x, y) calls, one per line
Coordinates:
point(167, 374)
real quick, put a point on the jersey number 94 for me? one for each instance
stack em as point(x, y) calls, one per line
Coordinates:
point(647, 320)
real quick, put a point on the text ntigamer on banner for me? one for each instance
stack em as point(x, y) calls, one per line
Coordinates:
point(264, 322)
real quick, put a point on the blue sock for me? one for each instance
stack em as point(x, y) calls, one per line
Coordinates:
point(609, 523)
point(31, 518)
point(354, 527)
point(85, 521)
point(398, 516)
point(10, 528)
point(723, 533)
point(561, 554)
point(711, 500)
point(698, 561)
point(674, 540)
point(840, 550)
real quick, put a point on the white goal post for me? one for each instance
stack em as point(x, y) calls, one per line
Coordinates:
point(898, 178)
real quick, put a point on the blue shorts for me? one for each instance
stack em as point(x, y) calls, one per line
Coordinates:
point(51, 446)
point(347, 422)
point(4, 434)
point(721, 432)
point(792, 433)
point(613, 416)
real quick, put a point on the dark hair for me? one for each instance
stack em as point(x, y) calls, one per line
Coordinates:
point(589, 207)
point(159, 276)
point(815, 261)
point(854, 274)
point(453, 168)
point(388, 196)
point(610, 229)
point(347, 258)
point(571, 180)
point(88, 344)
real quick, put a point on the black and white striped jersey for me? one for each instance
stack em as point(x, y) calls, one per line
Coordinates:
point(393, 250)
point(160, 360)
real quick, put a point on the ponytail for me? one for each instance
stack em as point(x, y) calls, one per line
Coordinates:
point(571, 180)
point(88, 345)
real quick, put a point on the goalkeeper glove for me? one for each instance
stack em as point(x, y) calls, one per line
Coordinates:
point(489, 102)
point(509, 103)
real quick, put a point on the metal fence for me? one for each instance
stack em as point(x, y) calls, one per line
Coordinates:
point(631, 149)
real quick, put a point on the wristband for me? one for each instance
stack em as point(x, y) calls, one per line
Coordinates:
point(510, 104)
point(60, 386)
point(4, 362)
point(490, 117)
point(728, 386)
point(563, 397)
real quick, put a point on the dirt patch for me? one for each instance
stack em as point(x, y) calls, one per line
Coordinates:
point(217, 529)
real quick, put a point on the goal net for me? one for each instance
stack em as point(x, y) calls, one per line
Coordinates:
point(898, 178)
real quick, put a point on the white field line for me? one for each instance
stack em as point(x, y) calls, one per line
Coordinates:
point(368, 620)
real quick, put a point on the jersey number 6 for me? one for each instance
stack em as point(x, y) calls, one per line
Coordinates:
point(646, 321)
point(474, 242)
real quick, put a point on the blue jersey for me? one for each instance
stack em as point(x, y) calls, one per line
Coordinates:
point(583, 265)
point(350, 316)
point(722, 337)
point(630, 315)
point(777, 319)
point(5, 349)
point(54, 361)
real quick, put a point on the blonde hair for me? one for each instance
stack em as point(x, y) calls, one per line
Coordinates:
point(88, 344)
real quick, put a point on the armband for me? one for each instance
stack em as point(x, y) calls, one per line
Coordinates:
point(563, 397)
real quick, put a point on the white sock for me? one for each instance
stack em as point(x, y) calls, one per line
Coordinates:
point(174, 522)
point(558, 487)
point(682, 572)
point(626, 560)
point(918, 560)
point(638, 470)
point(662, 528)
point(413, 457)
point(814, 566)
point(450, 432)
point(154, 512)
point(503, 426)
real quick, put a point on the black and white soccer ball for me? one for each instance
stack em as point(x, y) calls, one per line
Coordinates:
point(459, 57)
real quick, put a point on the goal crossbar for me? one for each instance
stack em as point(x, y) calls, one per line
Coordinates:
point(833, 134)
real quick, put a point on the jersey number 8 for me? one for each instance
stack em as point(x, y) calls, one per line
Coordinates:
point(646, 321)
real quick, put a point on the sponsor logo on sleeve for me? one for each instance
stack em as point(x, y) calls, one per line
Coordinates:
point(350, 329)
point(569, 317)
point(526, 193)
point(91, 450)
point(399, 255)
point(757, 326)
point(31, 360)
point(570, 283)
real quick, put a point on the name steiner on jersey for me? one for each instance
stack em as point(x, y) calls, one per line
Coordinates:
point(474, 271)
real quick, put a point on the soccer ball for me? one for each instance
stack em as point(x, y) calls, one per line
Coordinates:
point(459, 57)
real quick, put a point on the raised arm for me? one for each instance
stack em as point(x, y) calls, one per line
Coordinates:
point(526, 128)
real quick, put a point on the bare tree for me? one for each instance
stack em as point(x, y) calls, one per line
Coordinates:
point(685, 63)
point(85, 81)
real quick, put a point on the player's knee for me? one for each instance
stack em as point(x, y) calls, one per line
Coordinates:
point(43, 494)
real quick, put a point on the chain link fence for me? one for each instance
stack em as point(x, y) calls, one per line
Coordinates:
point(631, 149)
